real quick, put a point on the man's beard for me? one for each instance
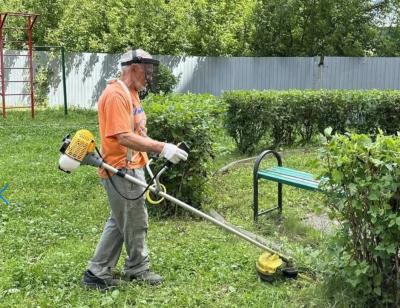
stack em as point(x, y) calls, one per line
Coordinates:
point(143, 93)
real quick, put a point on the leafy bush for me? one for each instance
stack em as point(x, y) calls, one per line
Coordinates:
point(285, 115)
point(166, 80)
point(364, 180)
point(281, 119)
point(301, 110)
point(245, 120)
point(333, 110)
point(385, 112)
point(193, 119)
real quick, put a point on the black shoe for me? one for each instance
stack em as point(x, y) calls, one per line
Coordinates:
point(93, 282)
point(147, 277)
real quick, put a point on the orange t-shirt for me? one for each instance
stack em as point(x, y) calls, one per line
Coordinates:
point(117, 114)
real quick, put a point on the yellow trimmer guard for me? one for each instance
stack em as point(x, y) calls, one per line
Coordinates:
point(268, 263)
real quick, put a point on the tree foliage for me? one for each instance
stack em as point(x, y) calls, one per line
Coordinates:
point(318, 27)
point(200, 27)
point(215, 28)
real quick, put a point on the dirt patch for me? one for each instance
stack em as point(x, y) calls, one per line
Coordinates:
point(320, 222)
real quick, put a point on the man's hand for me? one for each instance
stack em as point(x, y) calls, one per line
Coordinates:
point(173, 153)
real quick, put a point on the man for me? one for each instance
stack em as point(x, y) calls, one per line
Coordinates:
point(124, 143)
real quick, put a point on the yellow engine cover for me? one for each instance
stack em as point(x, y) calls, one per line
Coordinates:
point(81, 144)
point(268, 263)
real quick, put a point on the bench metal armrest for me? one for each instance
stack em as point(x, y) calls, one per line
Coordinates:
point(255, 184)
point(262, 156)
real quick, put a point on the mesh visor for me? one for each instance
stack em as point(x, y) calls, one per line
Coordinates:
point(151, 74)
point(150, 67)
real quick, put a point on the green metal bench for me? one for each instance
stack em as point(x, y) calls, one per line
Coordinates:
point(281, 175)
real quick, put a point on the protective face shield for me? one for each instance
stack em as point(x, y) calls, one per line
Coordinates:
point(150, 68)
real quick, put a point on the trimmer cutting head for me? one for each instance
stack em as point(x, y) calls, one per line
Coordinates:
point(269, 267)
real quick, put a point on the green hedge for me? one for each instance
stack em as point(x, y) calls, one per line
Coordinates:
point(287, 116)
point(193, 119)
point(364, 178)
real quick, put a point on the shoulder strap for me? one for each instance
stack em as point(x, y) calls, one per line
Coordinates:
point(130, 151)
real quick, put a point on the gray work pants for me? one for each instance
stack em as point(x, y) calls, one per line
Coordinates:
point(127, 225)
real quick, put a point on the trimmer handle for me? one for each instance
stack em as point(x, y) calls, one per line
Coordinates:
point(183, 146)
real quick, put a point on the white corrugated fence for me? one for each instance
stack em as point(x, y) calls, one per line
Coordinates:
point(86, 74)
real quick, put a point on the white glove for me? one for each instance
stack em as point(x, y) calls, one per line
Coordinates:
point(173, 153)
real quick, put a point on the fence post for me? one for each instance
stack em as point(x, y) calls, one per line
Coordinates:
point(64, 80)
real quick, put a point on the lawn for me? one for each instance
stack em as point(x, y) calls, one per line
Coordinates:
point(50, 229)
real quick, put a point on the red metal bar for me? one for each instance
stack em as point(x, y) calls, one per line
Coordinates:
point(30, 20)
point(18, 94)
point(30, 25)
point(3, 20)
point(16, 28)
point(15, 55)
point(15, 107)
point(18, 81)
point(3, 86)
point(20, 14)
point(15, 41)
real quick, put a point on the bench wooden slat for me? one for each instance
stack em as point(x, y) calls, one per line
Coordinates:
point(291, 177)
point(294, 172)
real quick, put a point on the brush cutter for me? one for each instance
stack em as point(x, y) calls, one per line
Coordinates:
point(80, 150)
